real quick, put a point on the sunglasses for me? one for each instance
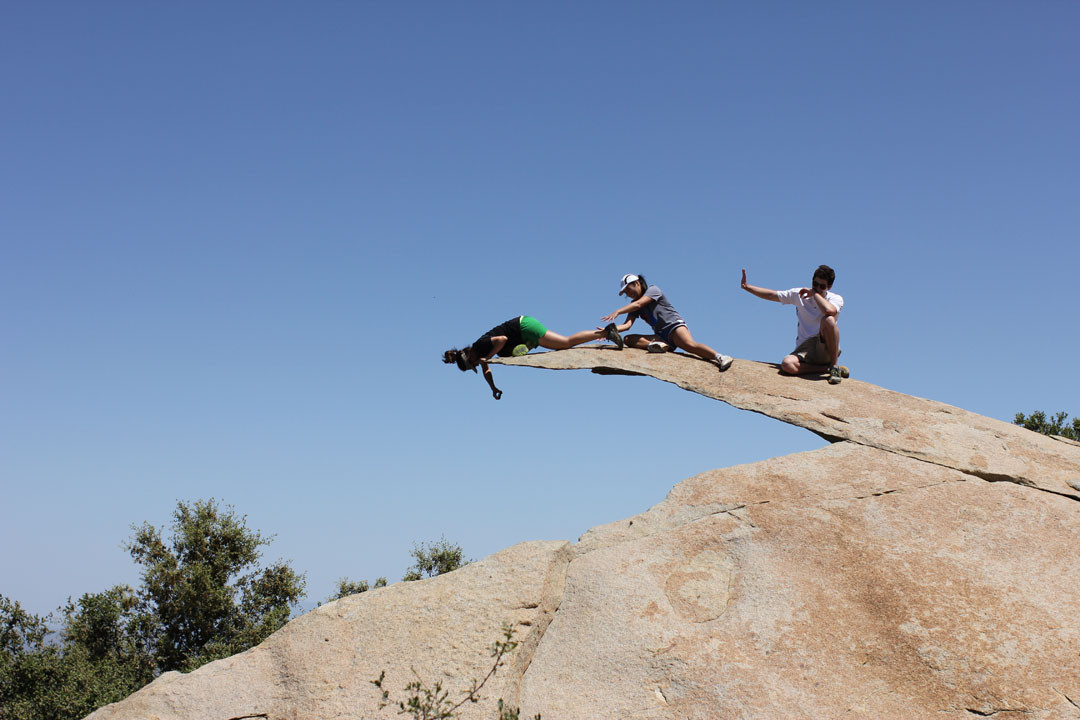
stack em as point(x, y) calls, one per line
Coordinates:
point(820, 286)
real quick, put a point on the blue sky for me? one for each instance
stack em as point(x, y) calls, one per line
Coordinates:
point(236, 237)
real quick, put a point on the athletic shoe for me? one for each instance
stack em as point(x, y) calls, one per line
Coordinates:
point(835, 375)
point(844, 372)
point(656, 346)
point(613, 335)
point(723, 362)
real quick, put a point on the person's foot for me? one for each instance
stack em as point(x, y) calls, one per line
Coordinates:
point(656, 346)
point(723, 361)
point(836, 374)
point(844, 372)
point(613, 335)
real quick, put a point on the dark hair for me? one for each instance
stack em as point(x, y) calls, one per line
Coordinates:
point(458, 357)
point(826, 273)
point(644, 284)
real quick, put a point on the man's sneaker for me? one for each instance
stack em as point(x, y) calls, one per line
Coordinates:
point(844, 372)
point(656, 346)
point(723, 362)
point(613, 335)
point(836, 374)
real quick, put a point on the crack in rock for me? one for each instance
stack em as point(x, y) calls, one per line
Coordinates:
point(550, 600)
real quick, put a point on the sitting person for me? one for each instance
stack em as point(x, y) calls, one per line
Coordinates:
point(517, 336)
point(817, 344)
point(669, 329)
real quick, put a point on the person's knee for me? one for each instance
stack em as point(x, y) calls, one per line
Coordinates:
point(790, 365)
point(828, 323)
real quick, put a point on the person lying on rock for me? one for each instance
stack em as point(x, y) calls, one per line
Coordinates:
point(817, 344)
point(669, 329)
point(517, 336)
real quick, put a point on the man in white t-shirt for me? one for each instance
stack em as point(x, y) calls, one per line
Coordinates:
point(817, 345)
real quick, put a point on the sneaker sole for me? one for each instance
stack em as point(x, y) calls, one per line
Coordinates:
point(613, 335)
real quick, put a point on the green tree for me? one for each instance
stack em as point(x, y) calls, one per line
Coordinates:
point(203, 594)
point(22, 665)
point(91, 663)
point(346, 587)
point(434, 559)
point(1055, 425)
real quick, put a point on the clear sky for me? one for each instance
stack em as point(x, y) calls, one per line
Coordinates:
point(235, 238)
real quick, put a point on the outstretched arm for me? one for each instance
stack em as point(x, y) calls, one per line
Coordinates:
point(497, 344)
point(763, 293)
point(495, 392)
point(632, 309)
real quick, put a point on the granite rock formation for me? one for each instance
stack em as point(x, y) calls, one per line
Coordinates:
point(923, 565)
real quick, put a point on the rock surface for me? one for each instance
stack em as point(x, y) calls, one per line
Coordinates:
point(883, 576)
point(320, 666)
point(857, 411)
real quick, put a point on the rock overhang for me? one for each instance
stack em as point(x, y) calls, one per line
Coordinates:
point(854, 411)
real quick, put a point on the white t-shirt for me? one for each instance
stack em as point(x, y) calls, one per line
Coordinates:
point(808, 312)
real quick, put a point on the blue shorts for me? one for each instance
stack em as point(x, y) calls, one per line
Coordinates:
point(665, 334)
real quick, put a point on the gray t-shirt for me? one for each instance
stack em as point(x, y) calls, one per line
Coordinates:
point(659, 314)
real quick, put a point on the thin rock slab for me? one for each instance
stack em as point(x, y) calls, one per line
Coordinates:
point(857, 411)
point(320, 666)
point(843, 582)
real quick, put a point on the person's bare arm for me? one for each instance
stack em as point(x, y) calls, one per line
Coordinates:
point(497, 344)
point(827, 308)
point(632, 310)
point(495, 392)
point(763, 293)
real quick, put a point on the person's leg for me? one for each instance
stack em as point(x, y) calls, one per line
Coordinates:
point(817, 355)
point(830, 343)
point(555, 341)
point(682, 338)
point(807, 358)
point(795, 365)
point(830, 335)
point(791, 365)
point(641, 342)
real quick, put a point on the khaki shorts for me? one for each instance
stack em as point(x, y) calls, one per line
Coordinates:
point(813, 351)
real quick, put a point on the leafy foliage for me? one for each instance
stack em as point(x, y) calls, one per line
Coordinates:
point(1055, 425)
point(434, 559)
point(202, 597)
point(203, 591)
point(432, 702)
point(346, 587)
point(96, 660)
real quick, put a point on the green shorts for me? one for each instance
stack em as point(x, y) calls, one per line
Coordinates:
point(531, 331)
